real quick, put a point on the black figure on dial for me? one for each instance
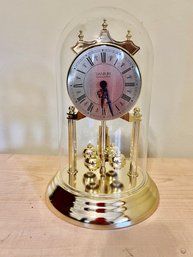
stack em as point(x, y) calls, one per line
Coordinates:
point(104, 82)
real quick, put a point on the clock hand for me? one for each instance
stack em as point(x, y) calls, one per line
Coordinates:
point(102, 102)
point(101, 95)
point(105, 94)
point(103, 85)
point(109, 104)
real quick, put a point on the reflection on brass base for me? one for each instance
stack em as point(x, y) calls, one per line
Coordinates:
point(102, 211)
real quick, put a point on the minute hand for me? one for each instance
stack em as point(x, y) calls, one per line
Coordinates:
point(109, 103)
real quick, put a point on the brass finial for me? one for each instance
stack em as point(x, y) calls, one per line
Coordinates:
point(128, 36)
point(136, 111)
point(71, 110)
point(104, 25)
point(137, 114)
point(105, 37)
point(81, 35)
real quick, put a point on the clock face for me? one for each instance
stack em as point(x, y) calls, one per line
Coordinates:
point(104, 82)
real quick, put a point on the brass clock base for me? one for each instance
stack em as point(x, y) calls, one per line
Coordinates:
point(102, 211)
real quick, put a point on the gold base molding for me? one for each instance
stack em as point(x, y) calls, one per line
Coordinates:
point(102, 211)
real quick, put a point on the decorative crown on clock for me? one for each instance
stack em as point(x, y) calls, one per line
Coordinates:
point(105, 37)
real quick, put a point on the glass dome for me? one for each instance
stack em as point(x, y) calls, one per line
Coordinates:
point(104, 69)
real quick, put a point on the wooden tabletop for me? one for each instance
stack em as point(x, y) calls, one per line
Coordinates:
point(29, 229)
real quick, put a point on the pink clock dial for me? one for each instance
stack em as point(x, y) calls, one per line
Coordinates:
point(104, 82)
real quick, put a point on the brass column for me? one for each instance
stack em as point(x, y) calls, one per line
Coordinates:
point(134, 147)
point(72, 148)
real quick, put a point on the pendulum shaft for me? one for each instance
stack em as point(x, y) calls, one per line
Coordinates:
point(72, 148)
point(102, 146)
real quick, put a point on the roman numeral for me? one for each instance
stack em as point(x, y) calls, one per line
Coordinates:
point(90, 107)
point(96, 58)
point(90, 61)
point(81, 98)
point(116, 62)
point(103, 57)
point(126, 97)
point(125, 71)
point(111, 57)
point(117, 107)
point(130, 84)
point(81, 71)
point(78, 85)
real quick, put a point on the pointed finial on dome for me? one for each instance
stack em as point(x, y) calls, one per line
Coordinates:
point(128, 36)
point(104, 25)
point(81, 35)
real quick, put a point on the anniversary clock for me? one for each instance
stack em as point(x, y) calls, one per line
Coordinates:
point(104, 94)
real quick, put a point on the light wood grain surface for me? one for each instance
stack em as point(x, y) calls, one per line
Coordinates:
point(29, 229)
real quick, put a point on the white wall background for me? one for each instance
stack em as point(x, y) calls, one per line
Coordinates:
point(29, 32)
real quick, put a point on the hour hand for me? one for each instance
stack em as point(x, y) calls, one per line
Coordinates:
point(103, 85)
point(101, 95)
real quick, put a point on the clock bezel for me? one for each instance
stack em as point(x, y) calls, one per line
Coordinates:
point(136, 67)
